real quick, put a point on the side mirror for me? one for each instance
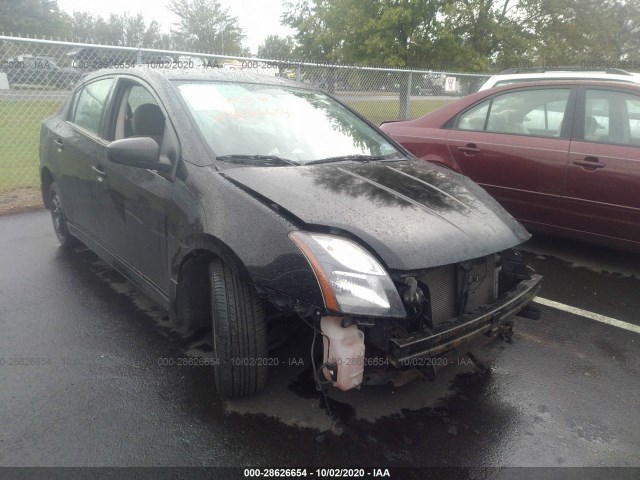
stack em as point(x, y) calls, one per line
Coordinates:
point(139, 152)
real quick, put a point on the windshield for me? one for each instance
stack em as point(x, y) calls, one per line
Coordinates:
point(258, 123)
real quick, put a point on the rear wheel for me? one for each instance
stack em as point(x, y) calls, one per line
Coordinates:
point(59, 218)
point(239, 333)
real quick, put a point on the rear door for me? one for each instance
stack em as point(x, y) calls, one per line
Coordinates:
point(515, 144)
point(80, 147)
point(603, 178)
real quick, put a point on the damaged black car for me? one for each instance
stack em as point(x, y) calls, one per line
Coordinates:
point(235, 199)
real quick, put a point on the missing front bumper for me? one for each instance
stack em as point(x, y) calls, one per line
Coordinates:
point(466, 328)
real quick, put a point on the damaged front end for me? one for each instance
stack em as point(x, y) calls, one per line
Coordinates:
point(382, 326)
point(450, 310)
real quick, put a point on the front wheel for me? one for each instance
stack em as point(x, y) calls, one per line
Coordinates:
point(59, 218)
point(239, 333)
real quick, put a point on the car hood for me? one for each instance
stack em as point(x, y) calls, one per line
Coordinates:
point(411, 213)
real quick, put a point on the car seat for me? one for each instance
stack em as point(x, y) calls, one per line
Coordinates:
point(148, 121)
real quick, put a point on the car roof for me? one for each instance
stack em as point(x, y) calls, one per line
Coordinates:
point(529, 76)
point(608, 82)
point(214, 74)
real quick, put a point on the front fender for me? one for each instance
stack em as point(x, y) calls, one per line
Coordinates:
point(245, 232)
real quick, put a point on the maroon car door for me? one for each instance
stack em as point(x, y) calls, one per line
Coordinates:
point(516, 146)
point(602, 193)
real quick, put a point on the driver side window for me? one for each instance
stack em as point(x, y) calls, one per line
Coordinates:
point(138, 114)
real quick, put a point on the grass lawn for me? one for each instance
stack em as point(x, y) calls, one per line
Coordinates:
point(378, 111)
point(19, 140)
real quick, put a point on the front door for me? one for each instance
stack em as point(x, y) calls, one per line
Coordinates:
point(603, 178)
point(136, 199)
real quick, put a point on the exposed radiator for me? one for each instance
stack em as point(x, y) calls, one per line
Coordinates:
point(441, 283)
point(443, 287)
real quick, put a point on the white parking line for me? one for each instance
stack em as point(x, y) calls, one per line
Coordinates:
point(584, 313)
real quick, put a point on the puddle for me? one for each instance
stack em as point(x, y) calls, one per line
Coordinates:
point(597, 259)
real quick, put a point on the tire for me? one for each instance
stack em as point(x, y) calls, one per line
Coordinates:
point(59, 219)
point(239, 333)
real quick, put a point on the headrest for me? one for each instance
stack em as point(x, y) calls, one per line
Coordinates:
point(148, 120)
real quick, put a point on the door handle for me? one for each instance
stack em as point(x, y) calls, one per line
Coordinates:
point(100, 174)
point(589, 162)
point(469, 149)
point(58, 142)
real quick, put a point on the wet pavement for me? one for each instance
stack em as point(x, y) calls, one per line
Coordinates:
point(89, 377)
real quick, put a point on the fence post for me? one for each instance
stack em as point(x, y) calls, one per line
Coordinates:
point(404, 100)
point(299, 74)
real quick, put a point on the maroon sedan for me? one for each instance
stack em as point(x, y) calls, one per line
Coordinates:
point(562, 157)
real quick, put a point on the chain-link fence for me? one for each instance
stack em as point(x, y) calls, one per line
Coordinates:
point(37, 75)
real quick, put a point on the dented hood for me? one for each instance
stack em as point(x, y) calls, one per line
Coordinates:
point(411, 213)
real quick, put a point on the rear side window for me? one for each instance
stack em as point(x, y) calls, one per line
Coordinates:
point(89, 104)
point(475, 118)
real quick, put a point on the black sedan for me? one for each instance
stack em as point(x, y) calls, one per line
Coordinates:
point(236, 199)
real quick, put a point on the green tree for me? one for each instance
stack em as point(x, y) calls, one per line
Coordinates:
point(125, 29)
point(204, 25)
point(474, 34)
point(408, 33)
point(571, 32)
point(395, 33)
point(318, 36)
point(381, 32)
point(276, 47)
point(152, 36)
point(32, 17)
point(83, 25)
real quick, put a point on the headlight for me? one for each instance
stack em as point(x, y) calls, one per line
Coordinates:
point(352, 281)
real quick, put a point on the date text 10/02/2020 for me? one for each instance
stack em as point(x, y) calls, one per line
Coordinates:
point(317, 472)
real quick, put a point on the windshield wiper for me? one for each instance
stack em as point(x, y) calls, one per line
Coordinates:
point(257, 159)
point(355, 158)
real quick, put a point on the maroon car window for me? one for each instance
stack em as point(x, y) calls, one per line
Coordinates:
point(633, 115)
point(546, 118)
point(612, 117)
point(90, 104)
point(538, 112)
point(475, 118)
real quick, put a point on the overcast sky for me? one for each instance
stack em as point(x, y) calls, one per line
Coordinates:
point(258, 18)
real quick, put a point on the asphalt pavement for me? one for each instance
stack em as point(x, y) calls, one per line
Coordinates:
point(89, 376)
